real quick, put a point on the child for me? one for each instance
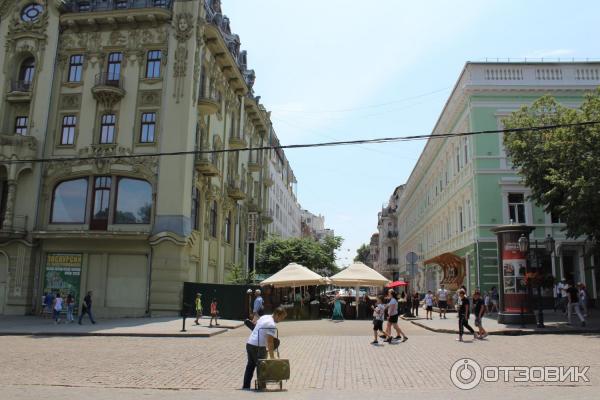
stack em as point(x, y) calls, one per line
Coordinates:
point(214, 313)
point(428, 305)
point(479, 311)
point(378, 316)
point(198, 306)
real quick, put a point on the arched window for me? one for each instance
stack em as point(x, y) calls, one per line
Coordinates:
point(228, 227)
point(134, 202)
point(69, 202)
point(27, 71)
point(213, 219)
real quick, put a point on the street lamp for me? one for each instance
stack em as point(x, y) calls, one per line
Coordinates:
point(249, 293)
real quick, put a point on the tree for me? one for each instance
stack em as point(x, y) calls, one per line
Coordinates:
point(363, 254)
point(275, 253)
point(238, 276)
point(561, 165)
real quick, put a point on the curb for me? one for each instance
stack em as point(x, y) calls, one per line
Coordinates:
point(115, 334)
point(514, 332)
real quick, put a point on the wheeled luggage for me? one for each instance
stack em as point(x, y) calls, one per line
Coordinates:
point(272, 370)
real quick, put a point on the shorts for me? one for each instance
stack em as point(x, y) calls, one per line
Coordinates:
point(443, 304)
point(478, 322)
point(393, 319)
point(377, 325)
point(429, 308)
point(214, 314)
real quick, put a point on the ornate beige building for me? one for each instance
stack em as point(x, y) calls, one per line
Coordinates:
point(124, 80)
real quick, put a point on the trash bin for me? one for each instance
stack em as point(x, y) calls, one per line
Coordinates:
point(314, 309)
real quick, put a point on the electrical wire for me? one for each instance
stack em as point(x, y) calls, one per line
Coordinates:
point(307, 145)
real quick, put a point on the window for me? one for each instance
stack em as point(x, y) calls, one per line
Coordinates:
point(84, 6)
point(21, 125)
point(516, 207)
point(466, 150)
point(68, 130)
point(153, 64)
point(147, 128)
point(213, 219)
point(195, 209)
point(555, 218)
point(101, 198)
point(27, 72)
point(458, 159)
point(31, 12)
point(107, 128)
point(114, 68)
point(121, 4)
point(160, 3)
point(75, 68)
point(461, 226)
point(228, 227)
point(69, 202)
point(134, 202)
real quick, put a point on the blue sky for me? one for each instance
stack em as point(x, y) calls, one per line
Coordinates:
point(349, 69)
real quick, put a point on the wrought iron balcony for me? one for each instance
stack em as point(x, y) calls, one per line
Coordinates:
point(267, 217)
point(108, 89)
point(392, 234)
point(109, 5)
point(207, 165)
point(392, 261)
point(237, 142)
point(235, 190)
point(20, 91)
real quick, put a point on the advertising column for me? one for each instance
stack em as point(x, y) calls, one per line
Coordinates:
point(515, 305)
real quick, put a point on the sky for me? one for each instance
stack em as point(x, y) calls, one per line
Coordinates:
point(332, 70)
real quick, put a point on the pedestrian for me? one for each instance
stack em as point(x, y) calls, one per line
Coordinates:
point(463, 315)
point(259, 306)
point(49, 303)
point(402, 303)
point(337, 314)
point(214, 313)
point(415, 303)
point(428, 305)
point(262, 343)
point(392, 309)
point(442, 300)
point(198, 307)
point(86, 308)
point(70, 302)
point(583, 300)
point(486, 301)
point(57, 308)
point(479, 310)
point(573, 304)
point(378, 316)
point(495, 299)
point(563, 287)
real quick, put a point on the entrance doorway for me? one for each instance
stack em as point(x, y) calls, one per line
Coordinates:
point(570, 267)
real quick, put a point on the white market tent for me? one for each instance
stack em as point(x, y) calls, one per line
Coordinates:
point(357, 275)
point(294, 275)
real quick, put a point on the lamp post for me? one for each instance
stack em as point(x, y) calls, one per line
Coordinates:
point(249, 293)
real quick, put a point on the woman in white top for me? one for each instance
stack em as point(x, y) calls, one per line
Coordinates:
point(57, 308)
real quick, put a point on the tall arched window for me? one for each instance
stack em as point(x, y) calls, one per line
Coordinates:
point(134, 202)
point(213, 219)
point(27, 72)
point(69, 202)
point(228, 227)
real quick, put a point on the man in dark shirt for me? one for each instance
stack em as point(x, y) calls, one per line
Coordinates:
point(86, 307)
point(463, 316)
point(573, 305)
point(478, 311)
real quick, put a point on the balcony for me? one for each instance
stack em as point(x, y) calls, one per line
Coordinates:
point(24, 147)
point(235, 190)
point(207, 165)
point(108, 89)
point(82, 13)
point(392, 261)
point(266, 217)
point(254, 164)
point(207, 105)
point(237, 142)
point(20, 91)
point(392, 234)
point(268, 181)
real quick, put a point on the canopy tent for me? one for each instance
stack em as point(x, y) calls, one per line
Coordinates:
point(358, 274)
point(294, 275)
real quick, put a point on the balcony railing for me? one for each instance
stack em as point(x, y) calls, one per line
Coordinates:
point(107, 79)
point(21, 86)
point(109, 5)
point(392, 234)
point(392, 261)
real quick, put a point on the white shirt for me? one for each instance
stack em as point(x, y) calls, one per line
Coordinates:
point(264, 326)
point(442, 294)
point(58, 304)
point(428, 299)
point(563, 288)
point(392, 307)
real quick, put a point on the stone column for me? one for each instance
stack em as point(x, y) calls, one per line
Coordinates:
point(10, 205)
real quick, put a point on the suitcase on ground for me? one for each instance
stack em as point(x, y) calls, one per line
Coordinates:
point(272, 370)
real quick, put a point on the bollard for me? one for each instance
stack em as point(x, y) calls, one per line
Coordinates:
point(183, 327)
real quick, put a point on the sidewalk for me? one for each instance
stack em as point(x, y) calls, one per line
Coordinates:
point(555, 322)
point(135, 327)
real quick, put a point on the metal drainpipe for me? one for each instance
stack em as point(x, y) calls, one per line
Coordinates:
point(148, 311)
point(477, 262)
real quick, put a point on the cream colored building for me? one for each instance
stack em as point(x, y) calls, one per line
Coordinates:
point(124, 80)
point(387, 227)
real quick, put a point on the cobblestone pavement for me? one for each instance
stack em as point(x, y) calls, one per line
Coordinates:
point(325, 357)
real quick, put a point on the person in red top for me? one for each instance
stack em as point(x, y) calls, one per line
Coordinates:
point(214, 313)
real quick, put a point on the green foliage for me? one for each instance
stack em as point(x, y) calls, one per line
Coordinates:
point(238, 276)
point(275, 253)
point(561, 166)
point(363, 253)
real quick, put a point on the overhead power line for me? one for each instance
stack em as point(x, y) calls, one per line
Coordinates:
point(308, 145)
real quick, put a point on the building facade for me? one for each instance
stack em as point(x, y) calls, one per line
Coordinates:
point(462, 187)
point(313, 226)
point(387, 226)
point(284, 209)
point(97, 88)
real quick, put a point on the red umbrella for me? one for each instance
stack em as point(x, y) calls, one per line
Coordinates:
point(396, 284)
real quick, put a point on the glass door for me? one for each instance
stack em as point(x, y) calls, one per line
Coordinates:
point(100, 208)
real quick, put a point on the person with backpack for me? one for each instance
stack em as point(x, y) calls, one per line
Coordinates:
point(479, 310)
